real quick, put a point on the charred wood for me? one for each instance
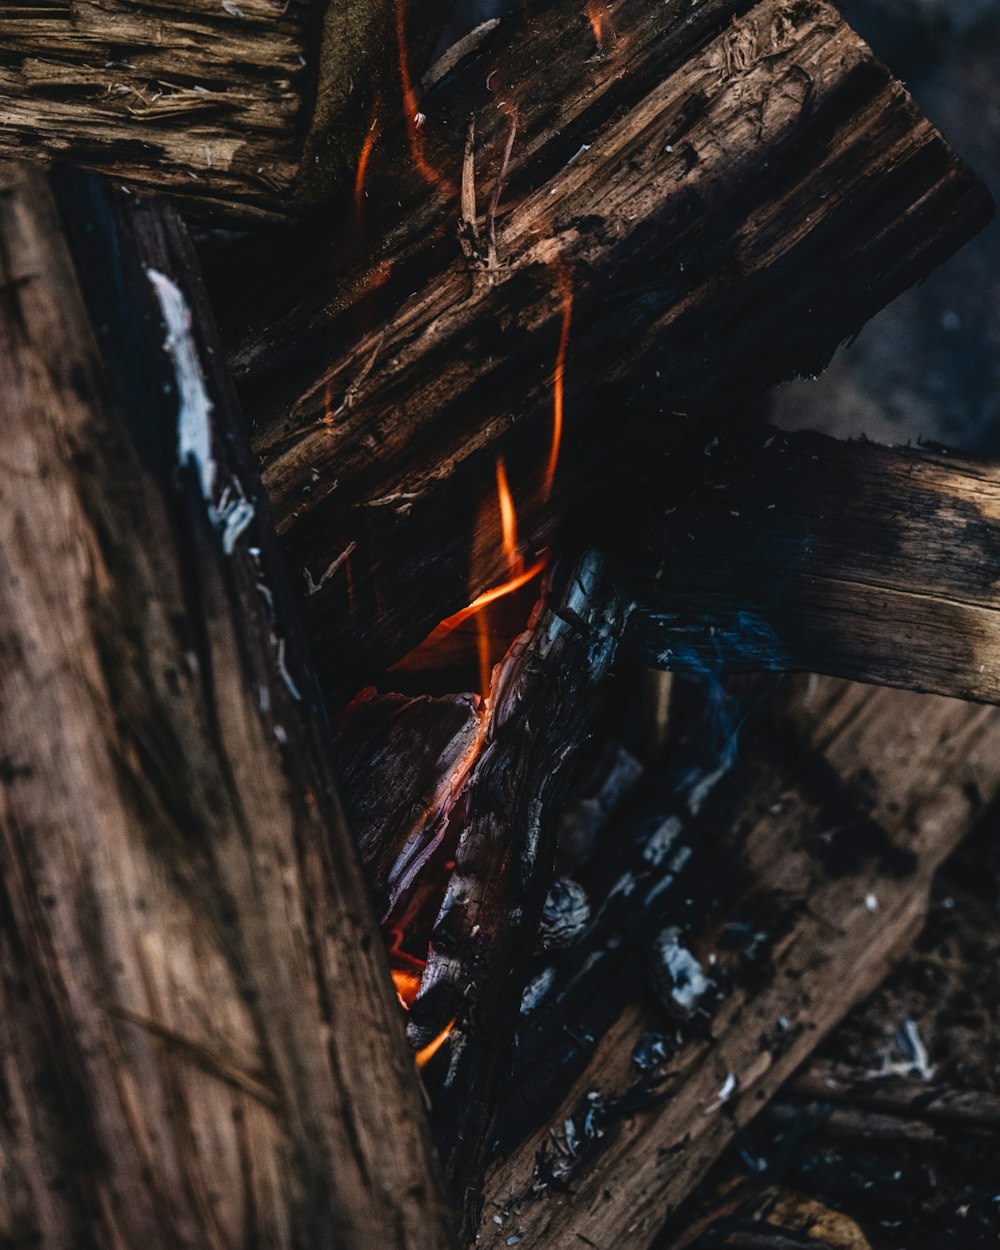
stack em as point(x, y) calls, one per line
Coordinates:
point(402, 763)
point(655, 226)
point(821, 870)
point(198, 1038)
point(477, 964)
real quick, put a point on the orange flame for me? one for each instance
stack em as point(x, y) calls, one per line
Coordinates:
point(411, 107)
point(363, 159)
point(407, 985)
point(508, 520)
point(565, 288)
point(406, 976)
point(600, 21)
point(491, 596)
point(483, 652)
point(519, 576)
point(427, 1053)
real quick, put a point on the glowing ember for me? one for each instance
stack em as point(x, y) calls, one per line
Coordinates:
point(565, 288)
point(427, 1053)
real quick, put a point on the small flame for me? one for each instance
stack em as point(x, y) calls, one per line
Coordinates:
point(489, 596)
point(363, 159)
point(427, 1053)
point(406, 973)
point(483, 651)
point(508, 520)
point(600, 21)
point(411, 107)
point(565, 288)
point(519, 576)
point(407, 985)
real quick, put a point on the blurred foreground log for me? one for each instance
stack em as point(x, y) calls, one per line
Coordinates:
point(659, 213)
point(199, 1044)
point(248, 107)
point(799, 552)
point(806, 873)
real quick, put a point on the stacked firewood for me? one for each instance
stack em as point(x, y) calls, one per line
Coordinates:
point(468, 338)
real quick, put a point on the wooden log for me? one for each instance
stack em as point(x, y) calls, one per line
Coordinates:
point(655, 228)
point(249, 108)
point(477, 966)
point(824, 864)
point(795, 551)
point(199, 1043)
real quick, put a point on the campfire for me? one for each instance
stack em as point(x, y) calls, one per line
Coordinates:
point(441, 805)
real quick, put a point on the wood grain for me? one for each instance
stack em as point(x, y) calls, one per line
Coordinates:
point(252, 107)
point(708, 202)
point(199, 1043)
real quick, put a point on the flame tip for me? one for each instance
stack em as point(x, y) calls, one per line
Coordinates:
point(427, 1053)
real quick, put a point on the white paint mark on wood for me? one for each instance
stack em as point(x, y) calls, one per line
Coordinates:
point(194, 427)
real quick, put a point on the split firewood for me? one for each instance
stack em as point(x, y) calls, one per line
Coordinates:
point(827, 832)
point(796, 551)
point(539, 715)
point(661, 210)
point(248, 107)
point(199, 1042)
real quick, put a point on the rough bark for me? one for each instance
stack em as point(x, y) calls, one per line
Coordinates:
point(821, 871)
point(540, 710)
point(254, 107)
point(709, 201)
point(198, 1038)
point(795, 551)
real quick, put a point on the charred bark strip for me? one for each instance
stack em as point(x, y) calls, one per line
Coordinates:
point(902, 1099)
point(481, 945)
point(253, 107)
point(402, 763)
point(798, 552)
point(200, 1045)
point(708, 202)
point(811, 905)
